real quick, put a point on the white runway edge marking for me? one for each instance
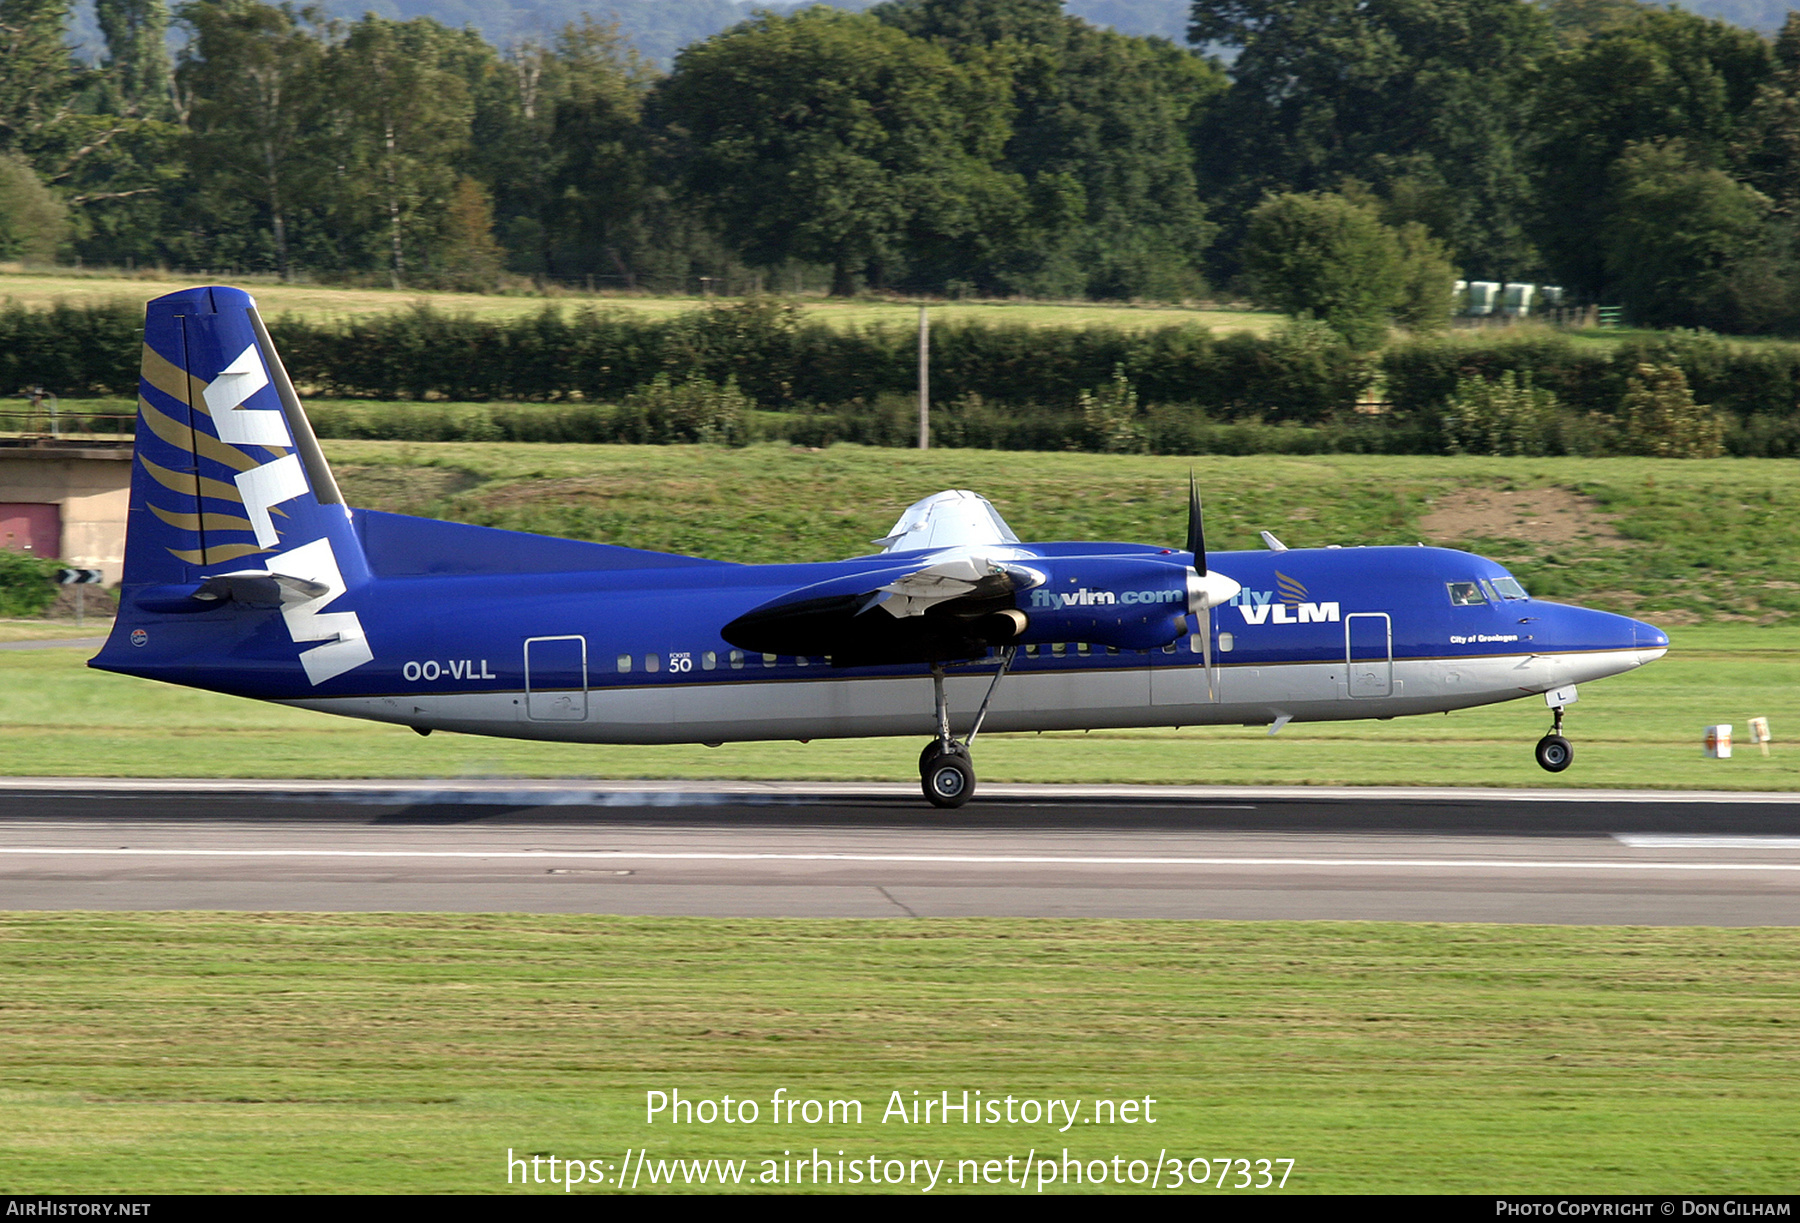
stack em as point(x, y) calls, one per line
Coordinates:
point(1702, 840)
point(622, 855)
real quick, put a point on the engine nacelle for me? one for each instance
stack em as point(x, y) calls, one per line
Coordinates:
point(1130, 603)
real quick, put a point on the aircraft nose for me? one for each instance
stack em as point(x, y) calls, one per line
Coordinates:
point(1652, 642)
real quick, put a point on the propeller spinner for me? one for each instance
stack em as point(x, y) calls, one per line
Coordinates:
point(1205, 589)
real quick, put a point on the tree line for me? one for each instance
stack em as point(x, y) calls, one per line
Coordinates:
point(1337, 156)
point(761, 369)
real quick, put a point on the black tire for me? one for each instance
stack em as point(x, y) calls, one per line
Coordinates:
point(957, 748)
point(948, 781)
point(1554, 753)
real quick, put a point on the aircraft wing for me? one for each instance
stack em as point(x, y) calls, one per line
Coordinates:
point(940, 607)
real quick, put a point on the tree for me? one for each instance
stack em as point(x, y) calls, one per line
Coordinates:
point(1766, 152)
point(39, 84)
point(33, 222)
point(1427, 100)
point(472, 260)
point(1099, 137)
point(253, 74)
point(1427, 280)
point(599, 166)
point(1332, 258)
point(1661, 75)
point(829, 137)
point(401, 116)
point(1676, 229)
point(137, 52)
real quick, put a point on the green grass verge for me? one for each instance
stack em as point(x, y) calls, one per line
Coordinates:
point(51, 630)
point(219, 1053)
point(58, 718)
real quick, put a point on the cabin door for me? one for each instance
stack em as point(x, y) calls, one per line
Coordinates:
point(556, 679)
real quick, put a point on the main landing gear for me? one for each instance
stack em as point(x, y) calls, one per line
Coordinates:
point(946, 773)
point(1554, 753)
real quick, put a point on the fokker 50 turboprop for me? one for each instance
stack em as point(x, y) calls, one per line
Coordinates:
point(246, 573)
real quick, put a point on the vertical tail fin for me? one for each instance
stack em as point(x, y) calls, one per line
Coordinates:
point(230, 493)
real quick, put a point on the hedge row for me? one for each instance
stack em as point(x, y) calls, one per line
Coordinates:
point(1746, 380)
point(71, 350)
point(774, 357)
point(780, 362)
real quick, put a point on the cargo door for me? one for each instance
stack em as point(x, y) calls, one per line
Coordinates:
point(1369, 654)
point(556, 679)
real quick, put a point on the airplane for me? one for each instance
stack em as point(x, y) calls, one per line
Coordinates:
point(246, 573)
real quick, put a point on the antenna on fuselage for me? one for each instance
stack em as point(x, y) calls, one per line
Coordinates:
point(1273, 544)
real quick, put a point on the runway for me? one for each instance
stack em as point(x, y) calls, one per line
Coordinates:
point(817, 850)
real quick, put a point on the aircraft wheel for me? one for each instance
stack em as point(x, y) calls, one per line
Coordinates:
point(948, 780)
point(1554, 753)
point(934, 748)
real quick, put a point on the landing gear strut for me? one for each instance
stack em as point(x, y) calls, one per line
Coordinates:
point(946, 772)
point(1554, 753)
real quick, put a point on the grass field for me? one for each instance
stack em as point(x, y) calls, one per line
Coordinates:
point(354, 1052)
point(319, 302)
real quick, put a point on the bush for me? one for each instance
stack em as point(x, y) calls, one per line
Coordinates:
point(693, 410)
point(27, 584)
point(1506, 416)
point(1660, 418)
point(1110, 417)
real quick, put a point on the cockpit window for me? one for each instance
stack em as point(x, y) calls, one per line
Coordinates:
point(1509, 588)
point(1465, 594)
point(1489, 591)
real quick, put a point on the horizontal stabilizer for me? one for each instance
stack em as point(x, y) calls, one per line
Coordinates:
point(259, 588)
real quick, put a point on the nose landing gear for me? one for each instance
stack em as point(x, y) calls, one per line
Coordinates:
point(1554, 753)
point(946, 772)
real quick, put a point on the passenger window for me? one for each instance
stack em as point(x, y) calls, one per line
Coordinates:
point(737, 660)
point(624, 664)
point(708, 661)
point(1465, 594)
point(1082, 648)
point(1031, 651)
point(1058, 648)
point(652, 662)
point(801, 660)
point(768, 660)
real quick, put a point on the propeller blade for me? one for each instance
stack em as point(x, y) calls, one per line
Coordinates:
point(1205, 588)
point(1206, 651)
point(1196, 540)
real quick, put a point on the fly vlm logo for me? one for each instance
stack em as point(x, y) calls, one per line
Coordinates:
point(1261, 606)
point(1102, 598)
